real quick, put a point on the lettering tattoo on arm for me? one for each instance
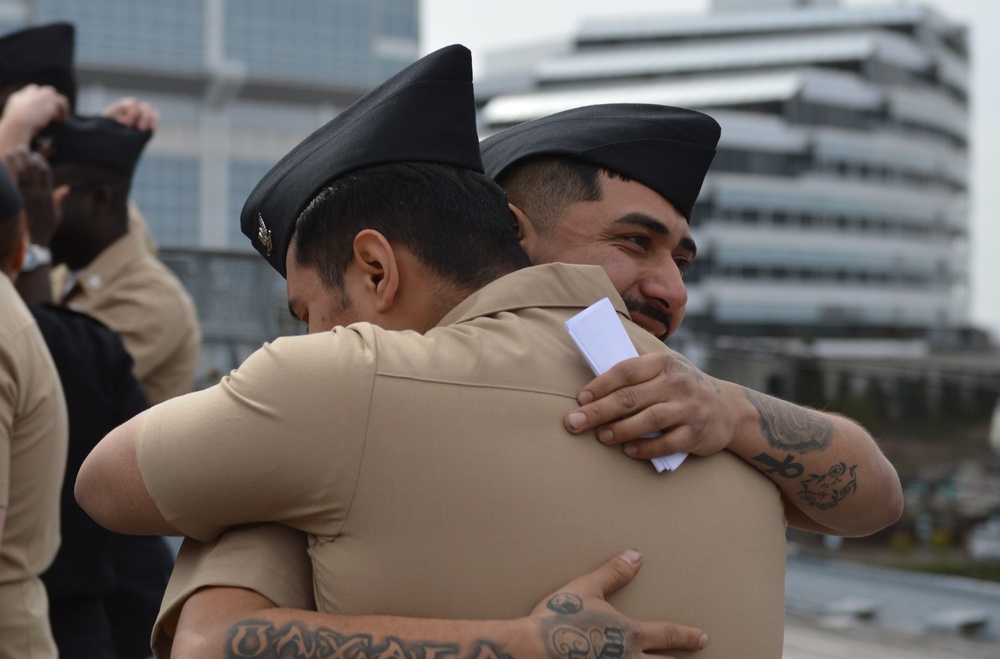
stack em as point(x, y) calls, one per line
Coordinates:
point(823, 491)
point(261, 639)
point(789, 427)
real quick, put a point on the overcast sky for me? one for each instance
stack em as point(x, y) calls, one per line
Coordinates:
point(499, 24)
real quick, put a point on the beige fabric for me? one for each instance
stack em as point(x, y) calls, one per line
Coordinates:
point(139, 227)
point(24, 621)
point(436, 479)
point(138, 297)
point(33, 444)
point(270, 558)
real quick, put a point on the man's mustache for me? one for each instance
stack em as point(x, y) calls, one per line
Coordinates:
point(650, 311)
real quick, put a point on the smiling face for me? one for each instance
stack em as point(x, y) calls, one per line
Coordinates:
point(640, 240)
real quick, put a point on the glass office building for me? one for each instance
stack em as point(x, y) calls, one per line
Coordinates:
point(837, 204)
point(237, 82)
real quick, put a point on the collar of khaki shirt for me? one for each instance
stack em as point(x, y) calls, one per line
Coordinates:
point(549, 285)
point(116, 257)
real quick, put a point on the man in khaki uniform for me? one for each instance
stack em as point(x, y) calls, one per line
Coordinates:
point(443, 486)
point(606, 185)
point(33, 441)
point(111, 275)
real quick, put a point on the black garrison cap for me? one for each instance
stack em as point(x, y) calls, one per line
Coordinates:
point(666, 149)
point(424, 113)
point(10, 198)
point(95, 141)
point(42, 55)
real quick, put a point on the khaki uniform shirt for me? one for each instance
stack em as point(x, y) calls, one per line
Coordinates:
point(134, 294)
point(435, 477)
point(33, 444)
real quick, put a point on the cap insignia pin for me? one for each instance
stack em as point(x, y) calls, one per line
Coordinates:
point(264, 234)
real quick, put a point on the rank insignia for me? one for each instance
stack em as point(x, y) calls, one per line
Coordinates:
point(264, 234)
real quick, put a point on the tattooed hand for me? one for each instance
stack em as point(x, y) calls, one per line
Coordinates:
point(661, 394)
point(577, 623)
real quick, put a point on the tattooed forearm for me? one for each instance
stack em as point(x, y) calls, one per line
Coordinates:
point(789, 427)
point(260, 639)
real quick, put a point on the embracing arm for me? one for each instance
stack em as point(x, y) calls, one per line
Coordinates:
point(575, 620)
point(109, 486)
point(832, 476)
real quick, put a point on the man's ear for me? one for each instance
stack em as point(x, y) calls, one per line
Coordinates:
point(527, 235)
point(17, 258)
point(376, 260)
point(102, 197)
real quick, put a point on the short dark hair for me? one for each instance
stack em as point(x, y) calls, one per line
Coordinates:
point(542, 186)
point(453, 219)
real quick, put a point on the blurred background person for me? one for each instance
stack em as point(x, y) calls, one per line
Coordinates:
point(33, 438)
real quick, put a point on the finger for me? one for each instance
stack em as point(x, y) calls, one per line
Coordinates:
point(655, 422)
point(642, 409)
point(39, 167)
point(149, 118)
point(676, 440)
point(15, 162)
point(127, 115)
point(61, 110)
point(658, 636)
point(609, 577)
point(623, 374)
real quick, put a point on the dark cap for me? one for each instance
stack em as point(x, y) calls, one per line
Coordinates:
point(424, 113)
point(10, 198)
point(666, 149)
point(95, 141)
point(42, 55)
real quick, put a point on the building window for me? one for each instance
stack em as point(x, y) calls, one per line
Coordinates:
point(166, 191)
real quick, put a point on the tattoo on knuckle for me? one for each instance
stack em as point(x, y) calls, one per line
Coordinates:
point(565, 603)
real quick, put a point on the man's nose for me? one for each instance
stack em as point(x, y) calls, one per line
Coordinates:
point(665, 286)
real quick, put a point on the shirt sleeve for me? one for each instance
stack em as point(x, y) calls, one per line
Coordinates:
point(277, 440)
point(269, 559)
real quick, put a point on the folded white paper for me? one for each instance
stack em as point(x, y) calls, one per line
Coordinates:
point(601, 337)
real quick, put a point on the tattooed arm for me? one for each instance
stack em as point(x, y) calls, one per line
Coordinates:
point(573, 623)
point(832, 476)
